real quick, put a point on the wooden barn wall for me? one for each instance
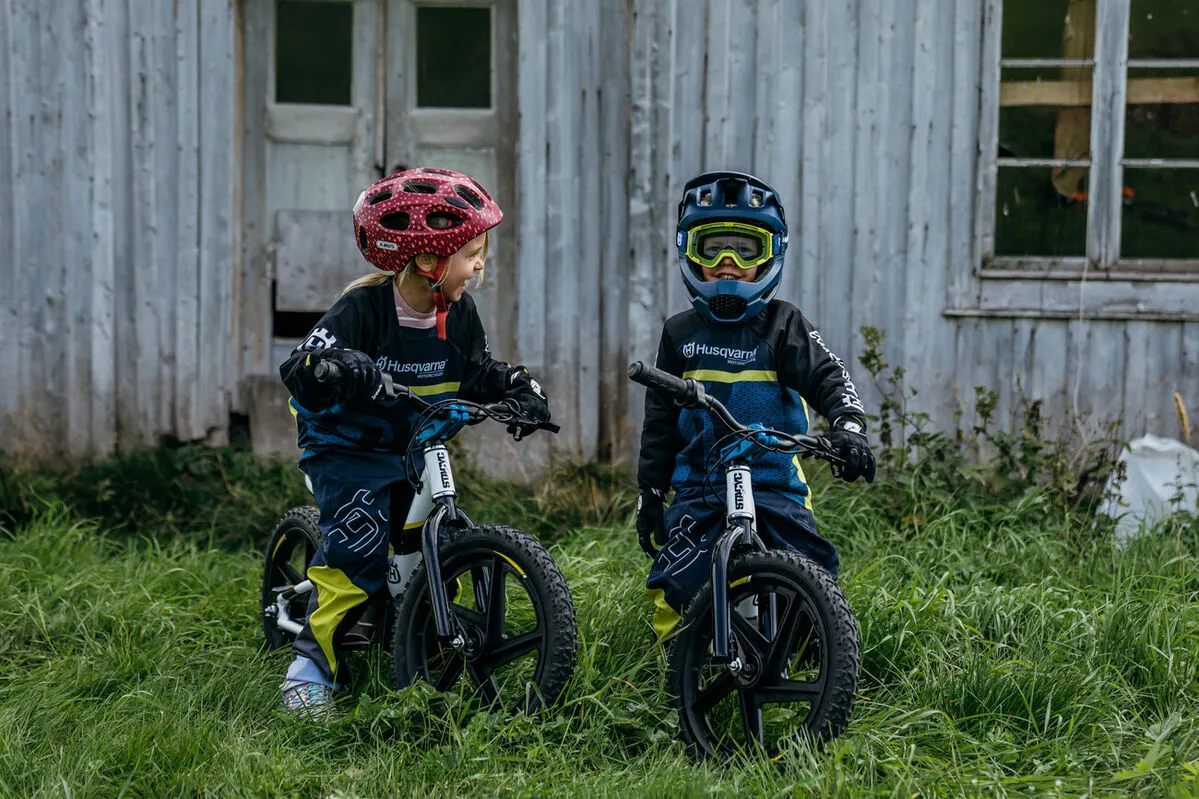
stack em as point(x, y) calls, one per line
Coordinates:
point(864, 115)
point(120, 156)
point(117, 223)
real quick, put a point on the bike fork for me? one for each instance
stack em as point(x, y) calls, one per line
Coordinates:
point(439, 478)
point(740, 530)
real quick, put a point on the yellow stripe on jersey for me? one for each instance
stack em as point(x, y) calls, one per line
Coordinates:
point(719, 376)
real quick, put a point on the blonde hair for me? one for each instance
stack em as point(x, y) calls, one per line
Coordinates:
point(379, 278)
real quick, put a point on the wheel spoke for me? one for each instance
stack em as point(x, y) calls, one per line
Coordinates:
point(751, 717)
point(717, 689)
point(784, 690)
point(291, 574)
point(487, 687)
point(480, 579)
point(497, 603)
point(791, 627)
point(451, 671)
point(469, 616)
point(749, 636)
point(512, 648)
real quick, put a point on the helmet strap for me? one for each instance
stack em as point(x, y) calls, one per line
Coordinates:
point(439, 301)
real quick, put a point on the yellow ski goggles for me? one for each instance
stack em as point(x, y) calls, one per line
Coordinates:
point(749, 246)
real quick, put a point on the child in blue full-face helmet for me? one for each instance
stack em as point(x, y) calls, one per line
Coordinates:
point(760, 357)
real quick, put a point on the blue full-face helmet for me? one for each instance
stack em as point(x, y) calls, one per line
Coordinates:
point(737, 204)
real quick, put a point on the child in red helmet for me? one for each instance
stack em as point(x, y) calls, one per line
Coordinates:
point(427, 230)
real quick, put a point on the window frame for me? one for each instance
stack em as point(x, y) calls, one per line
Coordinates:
point(1109, 88)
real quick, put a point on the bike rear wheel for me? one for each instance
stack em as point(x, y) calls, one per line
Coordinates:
point(289, 550)
point(800, 652)
point(514, 611)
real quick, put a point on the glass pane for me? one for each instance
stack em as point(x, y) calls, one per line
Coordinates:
point(313, 52)
point(1161, 213)
point(1032, 218)
point(1164, 29)
point(1162, 114)
point(453, 57)
point(1045, 113)
point(1048, 28)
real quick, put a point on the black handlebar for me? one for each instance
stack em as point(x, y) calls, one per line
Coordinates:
point(332, 372)
point(690, 394)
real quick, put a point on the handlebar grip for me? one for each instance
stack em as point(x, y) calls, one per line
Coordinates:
point(327, 372)
point(662, 382)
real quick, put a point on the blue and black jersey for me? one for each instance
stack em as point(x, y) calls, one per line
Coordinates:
point(364, 319)
point(769, 370)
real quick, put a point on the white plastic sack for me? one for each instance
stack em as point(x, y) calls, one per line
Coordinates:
point(1158, 471)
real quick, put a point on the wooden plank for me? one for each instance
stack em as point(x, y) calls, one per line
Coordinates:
point(588, 332)
point(1166, 373)
point(1060, 296)
point(312, 124)
point(1047, 368)
point(866, 273)
point(1188, 377)
point(1106, 182)
point(215, 332)
point(682, 41)
point(310, 176)
point(1141, 91)
point(533, 73)
point(561, 328)
point(181, 374)
point(254, 280)
point(839, 309)
point(811, 250)
point(74, 378)
point(101, 356)
point(928, 200)
point(10, 357)
point(778, 136)
point(614, 99)
point(314, 259)
point(366, 71)
point(988, 132)
point(964, 150)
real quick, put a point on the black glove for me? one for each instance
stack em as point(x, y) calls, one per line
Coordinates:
point(529, 398)
point(651, 520)
point(849, 441)
point(357, 375)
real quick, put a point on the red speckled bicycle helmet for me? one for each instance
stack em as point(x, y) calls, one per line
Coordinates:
point(425, 210)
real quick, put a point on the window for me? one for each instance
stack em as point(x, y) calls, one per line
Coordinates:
point(453, 57)
point(1091, 142)
point(314, 42)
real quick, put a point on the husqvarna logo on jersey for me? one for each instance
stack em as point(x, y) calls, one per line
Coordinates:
point(732, 355)
point(397, 368)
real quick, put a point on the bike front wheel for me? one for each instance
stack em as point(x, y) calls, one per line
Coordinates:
point(515, 614)
point(797, 646)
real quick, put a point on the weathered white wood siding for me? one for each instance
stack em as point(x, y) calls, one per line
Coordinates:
point(117, 223)
point(132, 191)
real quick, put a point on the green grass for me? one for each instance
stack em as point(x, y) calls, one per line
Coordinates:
point(1008, 648)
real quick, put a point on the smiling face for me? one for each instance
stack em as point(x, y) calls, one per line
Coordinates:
point(461, 267)
point(727, 269)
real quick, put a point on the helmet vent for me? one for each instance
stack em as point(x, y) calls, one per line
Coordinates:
point(419, 187)
point(705, 198)
point(362, 238)
point(479, 186)
point(380, 197)
point(469, 196)
point(436, 171)
point(454, 201)
point(726, 306)
point(397, 221)
point(755, 199)
point(442, 220)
